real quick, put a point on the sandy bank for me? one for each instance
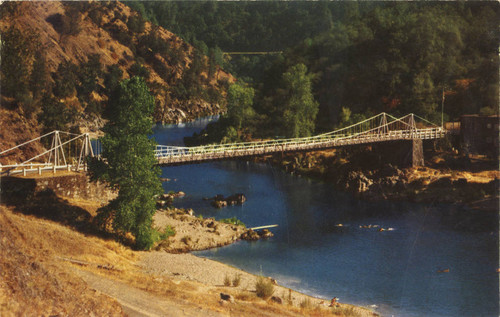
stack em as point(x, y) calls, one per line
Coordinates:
point(193, 233)
point(187, 267)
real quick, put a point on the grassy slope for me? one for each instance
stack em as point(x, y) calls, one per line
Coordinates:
point(39, 276)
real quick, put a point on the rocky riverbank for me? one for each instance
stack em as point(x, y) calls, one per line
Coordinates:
point(195, 233)
point(446, 178)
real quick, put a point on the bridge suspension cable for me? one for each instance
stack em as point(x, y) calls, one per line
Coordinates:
point(55, 156)
point(379, 128)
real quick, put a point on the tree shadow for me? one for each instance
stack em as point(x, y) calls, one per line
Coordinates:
point(46, 204)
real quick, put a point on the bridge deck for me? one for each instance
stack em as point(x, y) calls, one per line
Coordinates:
point(183, 155)
point(379, 128)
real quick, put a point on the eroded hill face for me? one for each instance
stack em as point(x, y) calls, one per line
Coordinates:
point(98, 42)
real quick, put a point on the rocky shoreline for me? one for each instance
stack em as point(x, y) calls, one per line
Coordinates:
point(442, 181)
point(196, 234)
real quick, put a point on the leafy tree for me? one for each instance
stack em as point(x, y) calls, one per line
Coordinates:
point(130, 162)
point(299, 108)
point(17, 54)
point(239, 104)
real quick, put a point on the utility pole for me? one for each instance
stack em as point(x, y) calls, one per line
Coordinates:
point(442, 109)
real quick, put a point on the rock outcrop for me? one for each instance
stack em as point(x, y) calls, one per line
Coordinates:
point(218, 201)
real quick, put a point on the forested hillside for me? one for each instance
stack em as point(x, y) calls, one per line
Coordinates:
point(362, 58)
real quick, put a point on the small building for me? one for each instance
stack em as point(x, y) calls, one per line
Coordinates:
point(479, 135)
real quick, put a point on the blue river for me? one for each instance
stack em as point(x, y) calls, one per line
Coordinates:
point(395, 272)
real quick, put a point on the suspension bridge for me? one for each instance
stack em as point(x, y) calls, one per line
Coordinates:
point(380, 128)
point(70, 152)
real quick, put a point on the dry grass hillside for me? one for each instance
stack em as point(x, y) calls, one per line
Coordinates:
point(48, 269)
point(183, 81)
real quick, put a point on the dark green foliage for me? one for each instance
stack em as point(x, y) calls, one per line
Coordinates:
point(55, 115)
point(69, 23)
point(136, 23)
point(112, 78)
point(39, 79)
point(10, 8)
point(65, 79)
point(131, 166)
point(139, 70)
point(192, 79)
point(299, 107)
point(88, 75)
point(95, 15)
point(368, 57)
point(17, 53)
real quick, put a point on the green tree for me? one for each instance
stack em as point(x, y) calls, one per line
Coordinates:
point(138, 69)
point(55, 115)
point(299, 108)
point(136, 24)
point(39, 80)
point(17, 54)
point(112, 78)
point(130, 162)
point(239, 104)
point(88, 76)
point(64, 79)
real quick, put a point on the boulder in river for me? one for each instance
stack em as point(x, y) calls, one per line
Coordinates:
point(250, 235)
point(236, 199)
point(266, 234)
point(219, 201)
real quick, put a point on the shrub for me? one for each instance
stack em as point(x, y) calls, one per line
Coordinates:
point(145, 237)
point(168, 232)
point(136, 24)
point(306, 303)
point(232, 221)
point(64, 79)
point(138, 70)
point(237, 280)
point(227, 280)
point(264, 288)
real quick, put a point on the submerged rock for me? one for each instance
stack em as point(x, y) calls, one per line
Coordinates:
point(251, 235)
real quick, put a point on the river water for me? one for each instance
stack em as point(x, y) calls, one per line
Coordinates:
point(394, 271)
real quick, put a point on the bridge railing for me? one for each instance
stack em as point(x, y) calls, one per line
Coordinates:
point(55, 158)
point(267, 146)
